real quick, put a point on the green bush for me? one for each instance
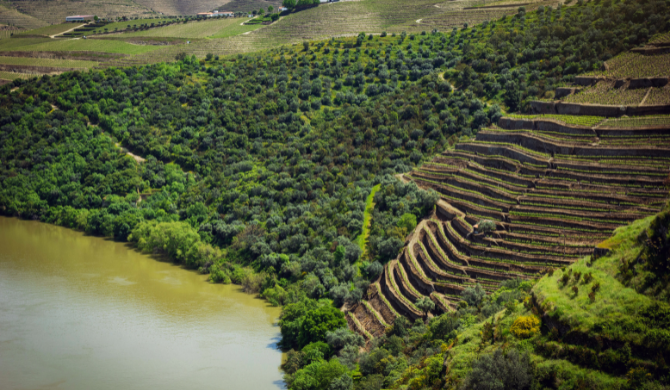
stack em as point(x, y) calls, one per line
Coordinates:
point(501, 371)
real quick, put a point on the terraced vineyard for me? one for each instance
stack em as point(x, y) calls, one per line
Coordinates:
point(197, 29)
point(46, 12)
point(636, 65)
point(10, 16)
point(554, 186)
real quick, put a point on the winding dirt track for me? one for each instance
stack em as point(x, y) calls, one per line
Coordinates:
point(64, 32)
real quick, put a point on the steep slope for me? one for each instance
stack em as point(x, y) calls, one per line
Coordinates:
point(10, 16)
point(554, 185)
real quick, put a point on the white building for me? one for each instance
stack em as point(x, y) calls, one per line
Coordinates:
point(79, 18)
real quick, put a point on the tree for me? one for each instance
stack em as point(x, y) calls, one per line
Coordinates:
point(360, 39)
point(425, 304)
point(270, 9)
point(474, 295)
point(499, 371)
point(289, 4)
point(486, 226)
point(319, 375)
point(512, 97)
point(342, 337)
point(374, 270)
point(444, 325)
point(261, 12)
point(408, 222)
point(317, 323)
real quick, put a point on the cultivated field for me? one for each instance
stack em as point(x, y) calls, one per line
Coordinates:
point(10, 16)
point(658, 96)
point(660, 39)
point(636, 65)
point(46, 62)
point(55, 12)
point(198, 29)
point(180, 7)
point(552, 186)
point(247, 5)
point(48, 31)
point(135, 23)
point(604, 92)
point(46, 44)
point(13, 75)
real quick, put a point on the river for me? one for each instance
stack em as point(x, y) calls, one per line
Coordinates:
point(80, 312)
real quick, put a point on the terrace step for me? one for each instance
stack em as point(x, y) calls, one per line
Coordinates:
point(550, 125)
point(353, 323)
point(533, 142)
point(562, 108)
point(503, 255)
point(393, 296)
point(477, 268)
point(368, 320)
point(378, 301)
point(443, 303)
point(403, 283)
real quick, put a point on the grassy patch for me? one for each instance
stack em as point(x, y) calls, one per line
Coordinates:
point(47, 62)
point(208, 28)
point(614, 302)
point(49, 30)
point(14, 75)
point(362, 239)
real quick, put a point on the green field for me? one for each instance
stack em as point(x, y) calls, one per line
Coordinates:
point(605, 93)
point(636, 65)
point(46, 62)
point(138, 22)
point(47, 44)
point(11, 16)
point(228, 36)
point(51, 30)
point(201, 29)
point(14, 75)
point(46, 12)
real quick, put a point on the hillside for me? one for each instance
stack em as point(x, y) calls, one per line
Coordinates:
point(10, 16)
point(328, 20)
point(54, 12)
point(36, 13)
point(547, 128)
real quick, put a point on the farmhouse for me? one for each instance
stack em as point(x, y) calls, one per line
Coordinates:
point(205, 14)
point(79, 18)
point(224, 13)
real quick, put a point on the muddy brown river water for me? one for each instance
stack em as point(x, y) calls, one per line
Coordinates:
point(80, 312)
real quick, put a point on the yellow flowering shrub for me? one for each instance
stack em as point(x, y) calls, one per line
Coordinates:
point(525, 326)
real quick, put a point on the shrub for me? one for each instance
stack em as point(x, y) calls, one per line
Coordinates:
point(374, 270)
point(342, 337)
point(511, 371)
point(525, 327)
point(407, 221)
point(486, 226)
point(474, 295)
point(588, 278)
point(565, 279)
point(425, 304)
point(577, 276)
point(444, 326)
